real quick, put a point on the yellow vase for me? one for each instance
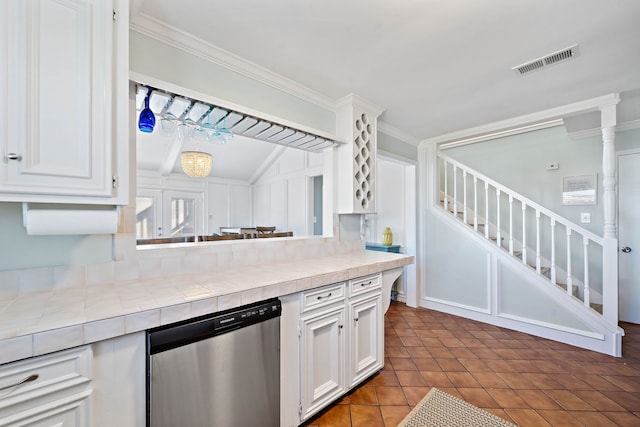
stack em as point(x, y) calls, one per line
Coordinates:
point(387, 237)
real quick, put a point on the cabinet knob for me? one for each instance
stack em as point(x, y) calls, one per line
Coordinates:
point(13, 156)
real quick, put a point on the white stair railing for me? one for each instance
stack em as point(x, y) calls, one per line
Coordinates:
point(454, 176)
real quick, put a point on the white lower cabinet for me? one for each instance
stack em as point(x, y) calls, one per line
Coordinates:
point(119, 388)
point(69, 414)
point(51, 390)
point(322, 351)
point(98, 385)
point(366, 338)
point(332, 339)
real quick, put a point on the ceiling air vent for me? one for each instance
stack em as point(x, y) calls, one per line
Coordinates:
point(553, 58)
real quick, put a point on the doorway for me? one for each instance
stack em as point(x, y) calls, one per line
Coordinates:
point(629, 236)
point(317, 205)
point(168, 213)
point(396, 209)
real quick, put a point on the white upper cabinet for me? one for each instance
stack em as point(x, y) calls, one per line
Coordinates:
point(63, 136)
point(356, 123)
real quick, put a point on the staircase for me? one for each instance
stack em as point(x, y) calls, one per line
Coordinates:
point(562, 254)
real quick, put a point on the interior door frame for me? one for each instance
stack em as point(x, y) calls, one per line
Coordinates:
point(198, 197)
point(633, 151)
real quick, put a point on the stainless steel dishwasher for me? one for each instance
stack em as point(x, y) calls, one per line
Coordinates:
point(221, 370)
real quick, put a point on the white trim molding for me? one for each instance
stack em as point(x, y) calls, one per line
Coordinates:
point(561, 328)
point(594, 104)
point(447, 303)
point(631, 125)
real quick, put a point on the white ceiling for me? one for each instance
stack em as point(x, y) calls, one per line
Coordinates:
point(435, 66)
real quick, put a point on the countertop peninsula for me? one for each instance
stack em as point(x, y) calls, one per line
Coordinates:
point(41, 322)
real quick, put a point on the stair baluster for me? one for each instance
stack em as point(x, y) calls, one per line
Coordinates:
point(498, 236)
point(587, 296)
point(524, 233)
point(510, 225)
point(446, 193)
point(569, 277)
point(464, 196)
point(553, 251)
point(475, 203)
point(455, 191)
point(538, 263)
point(486, 210)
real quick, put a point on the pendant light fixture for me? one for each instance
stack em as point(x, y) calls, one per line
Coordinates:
point(196, 164)
point(147, 120)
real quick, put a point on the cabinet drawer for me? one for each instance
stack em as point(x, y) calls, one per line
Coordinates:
point(364, 284)
point(52, 377)
point(322, 297)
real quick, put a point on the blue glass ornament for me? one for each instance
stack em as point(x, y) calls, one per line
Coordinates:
point(147, 120)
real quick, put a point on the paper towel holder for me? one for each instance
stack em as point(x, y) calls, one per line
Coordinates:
point(66, 220)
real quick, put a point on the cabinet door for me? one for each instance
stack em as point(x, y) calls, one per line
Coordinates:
point(63, 413)
point(57, 394)
point(57, 109)
point(366, 338)
point(322, 354)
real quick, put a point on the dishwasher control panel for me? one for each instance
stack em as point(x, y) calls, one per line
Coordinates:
point(247, 316)
point(167, 337)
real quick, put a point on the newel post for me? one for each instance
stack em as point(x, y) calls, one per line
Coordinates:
point(610, 233)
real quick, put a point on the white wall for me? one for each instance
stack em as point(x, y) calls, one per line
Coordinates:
point(391, 201)
point(218, 207)
point(283, 196)
point(389, 144)
point(18, 250)
point(153, 58)
point(227, 205)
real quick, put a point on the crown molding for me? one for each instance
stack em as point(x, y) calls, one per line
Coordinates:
point(396, 133)
point(151, 27)
point(587, 133)
point(630, 125)
point(593, 104)
point(353, 99)
point(503, 133)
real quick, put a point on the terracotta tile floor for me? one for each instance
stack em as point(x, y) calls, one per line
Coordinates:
point(526, 380)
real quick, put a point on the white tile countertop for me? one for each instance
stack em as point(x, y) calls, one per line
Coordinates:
point(45, 321)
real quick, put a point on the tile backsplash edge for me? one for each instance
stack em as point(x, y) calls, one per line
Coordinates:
point(169, 262)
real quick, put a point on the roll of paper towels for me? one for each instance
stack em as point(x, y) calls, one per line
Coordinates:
point(68, 221)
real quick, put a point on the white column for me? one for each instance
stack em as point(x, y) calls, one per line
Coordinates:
point(609, 181)
point(610, 233)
